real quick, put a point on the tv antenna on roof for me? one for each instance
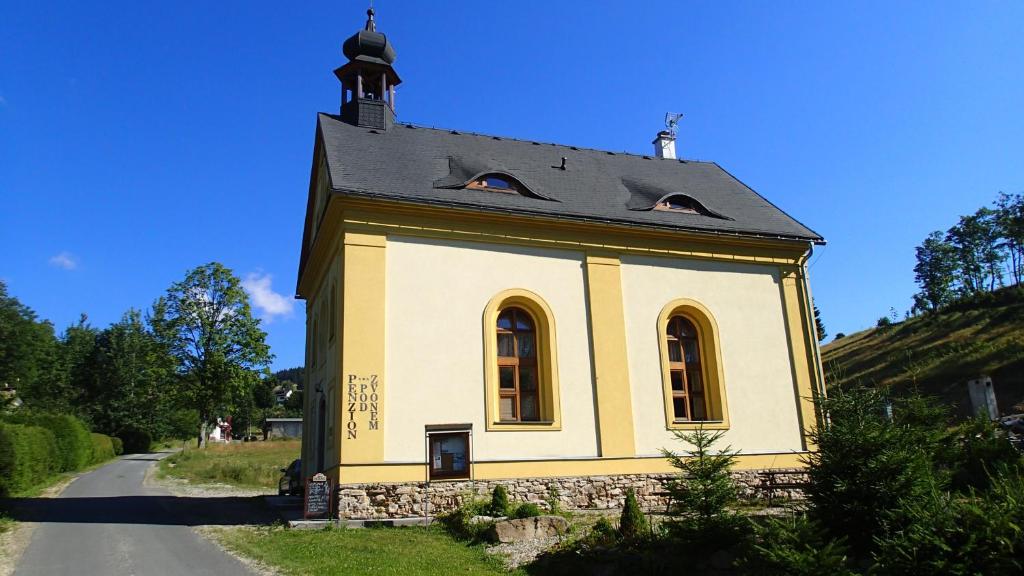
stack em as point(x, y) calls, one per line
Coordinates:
point(672, 121)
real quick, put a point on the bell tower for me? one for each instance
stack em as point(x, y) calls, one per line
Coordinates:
point(368, 81)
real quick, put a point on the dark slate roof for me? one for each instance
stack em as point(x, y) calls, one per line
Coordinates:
point(429, 166)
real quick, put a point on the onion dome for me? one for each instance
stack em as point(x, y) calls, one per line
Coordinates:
point(369, 45)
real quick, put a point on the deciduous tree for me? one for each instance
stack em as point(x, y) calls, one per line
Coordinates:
point(1009, 221)
point(208, 326)
point(132, 378)
point(979, 256)
point(28, 350)
point(935, 272)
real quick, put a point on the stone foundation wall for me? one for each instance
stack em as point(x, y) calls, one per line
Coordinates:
point(380, 501)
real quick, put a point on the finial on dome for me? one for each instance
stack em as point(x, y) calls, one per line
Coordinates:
point(370, 24)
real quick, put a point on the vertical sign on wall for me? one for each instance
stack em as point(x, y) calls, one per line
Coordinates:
point(363, 333)
point(362, 404)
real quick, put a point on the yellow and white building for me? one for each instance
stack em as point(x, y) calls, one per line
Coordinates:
point(495, 310)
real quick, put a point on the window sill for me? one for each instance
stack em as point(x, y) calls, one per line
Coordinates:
point(698, 424)
point(533, 425)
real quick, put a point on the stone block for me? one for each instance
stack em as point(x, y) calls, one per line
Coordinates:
point(523, 529)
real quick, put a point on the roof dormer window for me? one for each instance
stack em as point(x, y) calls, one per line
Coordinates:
point(495, 183)
point(678, 203)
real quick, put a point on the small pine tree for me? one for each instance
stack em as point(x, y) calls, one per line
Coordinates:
point(819, 326)
point(705, 491)
point(499, 501)
point(632, 523)
point(554, 503)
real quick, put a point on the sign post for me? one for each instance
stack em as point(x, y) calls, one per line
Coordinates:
point(318, 497)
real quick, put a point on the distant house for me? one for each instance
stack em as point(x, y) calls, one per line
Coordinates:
point(9, 398)
point(283, 392)
point(284, 428)
point(482, 308)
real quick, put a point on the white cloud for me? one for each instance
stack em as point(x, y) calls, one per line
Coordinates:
point(269, 303)
point(65, 260)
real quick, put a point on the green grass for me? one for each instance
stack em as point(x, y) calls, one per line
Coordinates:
point(242, 464)
point(370, 551)
point(5, 523)
point(937, 353)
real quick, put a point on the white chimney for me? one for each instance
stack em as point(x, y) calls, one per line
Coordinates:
point(665, 145)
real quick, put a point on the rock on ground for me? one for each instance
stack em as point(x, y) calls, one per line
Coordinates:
point(520, 529)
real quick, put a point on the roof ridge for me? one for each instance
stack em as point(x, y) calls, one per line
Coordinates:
point(528, 141)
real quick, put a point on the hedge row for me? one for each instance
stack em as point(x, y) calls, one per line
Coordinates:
point(28, 455)
point(102, 448)
point(35, 447)
point(74, 446)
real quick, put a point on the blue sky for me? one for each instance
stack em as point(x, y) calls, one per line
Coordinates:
point(138, 140)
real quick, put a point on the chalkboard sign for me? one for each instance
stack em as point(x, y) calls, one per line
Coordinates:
point(318, 497)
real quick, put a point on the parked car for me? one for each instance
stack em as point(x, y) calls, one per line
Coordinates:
point(1014, 425)
point(290, 483)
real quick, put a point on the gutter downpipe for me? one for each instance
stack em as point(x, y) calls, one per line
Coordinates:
point(809, 310)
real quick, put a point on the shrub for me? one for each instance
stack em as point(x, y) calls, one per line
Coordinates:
point(74, 446)
point(983, 449)
point(118, 445)
point(135, 441)
point(73, 440)
point(459, 522)
point(28, 456)
point(632, 522)
point(102, 448)
point(883, 322)
point(499, 502)
point(526, 510)
point(794, 547)
point(602, 534)
point(947, 533)
point(867, 463)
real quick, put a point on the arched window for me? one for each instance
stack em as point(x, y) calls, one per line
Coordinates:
point(518, 396)
point(685, 372)
point(521, 367)
point(679, 203)
point(691, 367)
point(496, 183)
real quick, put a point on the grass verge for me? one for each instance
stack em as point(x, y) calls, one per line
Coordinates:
point(5, 523)
point(241, 464)
point(370, 551)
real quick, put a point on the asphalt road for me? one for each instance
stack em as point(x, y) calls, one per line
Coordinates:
point(108, 523)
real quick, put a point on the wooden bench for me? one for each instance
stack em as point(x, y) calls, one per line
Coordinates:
point(772, 480)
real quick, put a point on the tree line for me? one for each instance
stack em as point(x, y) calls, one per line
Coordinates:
point(983, 251)
point(196, 355)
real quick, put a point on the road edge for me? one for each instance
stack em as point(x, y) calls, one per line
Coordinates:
point(184, 488)
point(14, 542)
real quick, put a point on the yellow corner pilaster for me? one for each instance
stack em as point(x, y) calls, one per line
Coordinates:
point(611, 368)
point(799, 351)
point(362, 375)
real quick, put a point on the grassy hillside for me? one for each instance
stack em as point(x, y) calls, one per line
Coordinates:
point(938, 353)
